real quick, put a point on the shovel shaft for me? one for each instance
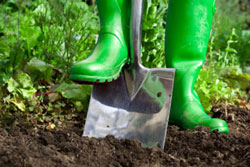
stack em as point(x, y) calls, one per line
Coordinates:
point(136, 33)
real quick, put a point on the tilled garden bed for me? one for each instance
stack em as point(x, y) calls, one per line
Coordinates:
point(65, 146)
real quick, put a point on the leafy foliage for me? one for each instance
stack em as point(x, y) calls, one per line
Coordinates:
point(153, 33)
point(39, 40)
point(231, 15)
point(221, 81)
point(57, 32)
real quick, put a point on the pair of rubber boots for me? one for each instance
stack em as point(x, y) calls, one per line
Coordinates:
point(187, 35)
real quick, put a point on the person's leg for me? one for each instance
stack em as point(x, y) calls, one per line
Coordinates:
point(110, 54)
point(187, 35)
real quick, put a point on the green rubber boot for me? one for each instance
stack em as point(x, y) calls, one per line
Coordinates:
point(187, 35)
point(110, 54)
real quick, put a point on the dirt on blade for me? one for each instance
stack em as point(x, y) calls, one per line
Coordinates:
point(66, 147)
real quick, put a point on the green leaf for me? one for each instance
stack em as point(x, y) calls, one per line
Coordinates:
point(12, 85)
point(39, 70)
point(17, 54)
point(28, 93)
point(7, 99)
point(24, 80)
point(22, 85)
point(74, 91)
point(54, 97)
point(19, 104)
point(79, 106)
point(30, 34)
point(4, 47)
point(241, 81)
point(231, 50)
point(43, 10)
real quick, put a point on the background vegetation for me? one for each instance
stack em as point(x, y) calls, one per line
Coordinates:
point(39, 41)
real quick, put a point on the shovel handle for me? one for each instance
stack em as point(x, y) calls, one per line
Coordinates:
point(136, 33)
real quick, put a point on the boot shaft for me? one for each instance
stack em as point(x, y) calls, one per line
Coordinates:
point(115, 17)
point(187, 31)
point(187, 34)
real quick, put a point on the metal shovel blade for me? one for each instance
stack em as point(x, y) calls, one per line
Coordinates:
point(137, 104)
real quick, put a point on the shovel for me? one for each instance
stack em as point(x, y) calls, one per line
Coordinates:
point(137, 104)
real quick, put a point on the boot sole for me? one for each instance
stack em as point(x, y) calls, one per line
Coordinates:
point(93, 80)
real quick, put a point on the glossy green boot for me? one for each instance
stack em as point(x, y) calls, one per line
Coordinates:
point(110, 54)
point(187, 35)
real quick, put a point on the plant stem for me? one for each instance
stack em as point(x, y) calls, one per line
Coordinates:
point(18, 22)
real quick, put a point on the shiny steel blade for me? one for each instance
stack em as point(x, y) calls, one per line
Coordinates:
point(111, 112)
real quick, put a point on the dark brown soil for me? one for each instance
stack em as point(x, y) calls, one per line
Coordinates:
point(65, 147)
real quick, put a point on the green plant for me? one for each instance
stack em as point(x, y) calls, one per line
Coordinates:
point(153, 33)
point(57, 32)
point(228, 15)
point(69, 33)
point(30, 102)
point(221, 81)
point(39, 40)
point(243, 48)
